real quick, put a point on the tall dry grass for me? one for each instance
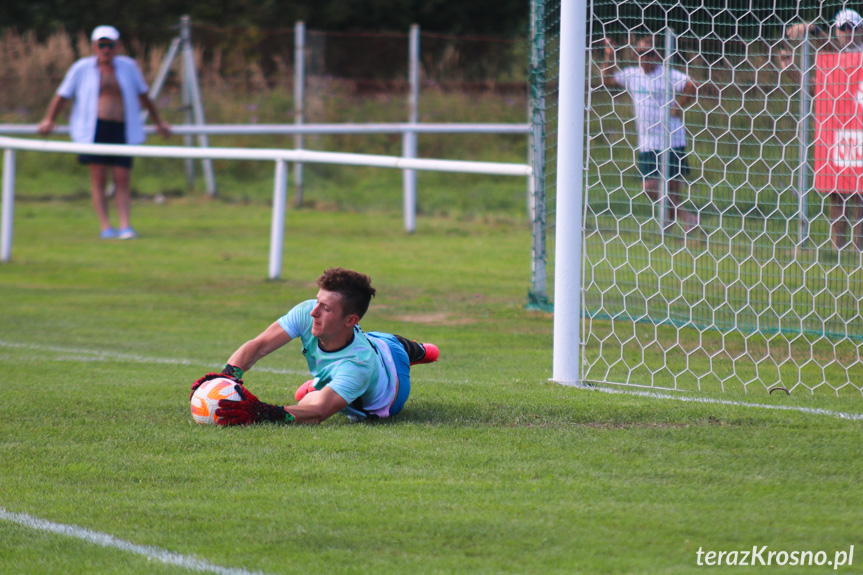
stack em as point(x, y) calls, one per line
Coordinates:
point(239, 86)
point(31, 70)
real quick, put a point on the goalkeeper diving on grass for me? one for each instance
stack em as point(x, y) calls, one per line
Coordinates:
point(365, 376)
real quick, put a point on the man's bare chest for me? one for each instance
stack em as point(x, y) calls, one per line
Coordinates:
point(108, 84)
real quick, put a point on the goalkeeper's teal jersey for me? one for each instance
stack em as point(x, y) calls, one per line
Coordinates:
point(363, 369)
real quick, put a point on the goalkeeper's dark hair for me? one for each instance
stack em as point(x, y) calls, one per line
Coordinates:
point(355, 288)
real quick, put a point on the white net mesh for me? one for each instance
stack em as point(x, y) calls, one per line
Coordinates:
point(744, 273)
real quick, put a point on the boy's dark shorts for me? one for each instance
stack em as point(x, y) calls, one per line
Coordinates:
point(108, 132)
point(650, 160)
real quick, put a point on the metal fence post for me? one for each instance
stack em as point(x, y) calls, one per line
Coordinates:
point(803, 130)
point(299, 107)
point(409, 140)
point(537, 297)
point(197, 103)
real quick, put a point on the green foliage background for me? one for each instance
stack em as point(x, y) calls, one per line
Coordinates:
point(141, 19)
point(723, 18)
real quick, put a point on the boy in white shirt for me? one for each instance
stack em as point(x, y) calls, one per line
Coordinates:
point(646, 85)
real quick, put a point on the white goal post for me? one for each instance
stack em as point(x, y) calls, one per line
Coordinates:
point(570, 185)
point(740, 266)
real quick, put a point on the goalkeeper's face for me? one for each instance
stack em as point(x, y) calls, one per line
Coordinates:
point(329, 320)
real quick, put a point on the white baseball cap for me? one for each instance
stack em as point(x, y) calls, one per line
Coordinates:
point(848, 16)
point(111, 33)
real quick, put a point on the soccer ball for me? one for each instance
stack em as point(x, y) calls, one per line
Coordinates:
point(205, 400)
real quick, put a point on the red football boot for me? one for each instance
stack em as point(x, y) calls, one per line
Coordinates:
point(432, 353)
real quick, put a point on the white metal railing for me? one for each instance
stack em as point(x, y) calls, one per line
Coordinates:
point(293, 129)
point(408, 131)
point(280, 157)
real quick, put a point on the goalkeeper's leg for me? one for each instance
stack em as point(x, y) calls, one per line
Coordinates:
point(405, 353)
point(419, 352)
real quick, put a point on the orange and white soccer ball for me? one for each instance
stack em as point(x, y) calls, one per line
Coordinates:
point(205, 400)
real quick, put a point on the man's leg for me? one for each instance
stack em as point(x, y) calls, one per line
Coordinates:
point(98, 174)
point(674, 200)
point(651, 189)
point(688, 219)
point(647, 167)
point(856, 217)
point(123, 195)
point(837, 220)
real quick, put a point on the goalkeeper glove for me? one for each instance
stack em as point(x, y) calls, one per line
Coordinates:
point(249, 410)
point(231, 372)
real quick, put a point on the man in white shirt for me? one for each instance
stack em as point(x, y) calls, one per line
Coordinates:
point(107, 91)
point(845, 35)
point(647, 85)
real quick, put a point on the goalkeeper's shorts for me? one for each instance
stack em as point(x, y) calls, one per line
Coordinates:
point(355, 411)
point(403, 368)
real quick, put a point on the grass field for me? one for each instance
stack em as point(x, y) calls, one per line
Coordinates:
point(490, 468)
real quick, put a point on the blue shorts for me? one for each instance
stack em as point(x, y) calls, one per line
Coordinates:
point(650, 160)
point(108, 132)
point(403, 369)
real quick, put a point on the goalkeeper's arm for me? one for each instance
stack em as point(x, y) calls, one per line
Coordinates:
point(264, 344)
point(318, 406)
point(313, 408)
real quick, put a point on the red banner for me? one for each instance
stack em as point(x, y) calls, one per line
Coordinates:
point(839, 122)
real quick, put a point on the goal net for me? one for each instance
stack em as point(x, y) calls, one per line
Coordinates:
point(723, 177)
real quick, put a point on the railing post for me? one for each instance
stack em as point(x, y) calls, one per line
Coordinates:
point(8, 205)
point(409, 140)
point(277, 229)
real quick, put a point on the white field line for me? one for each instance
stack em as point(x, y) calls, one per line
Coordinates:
point(105, 540)
point(87, 355)
point(710, 400)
